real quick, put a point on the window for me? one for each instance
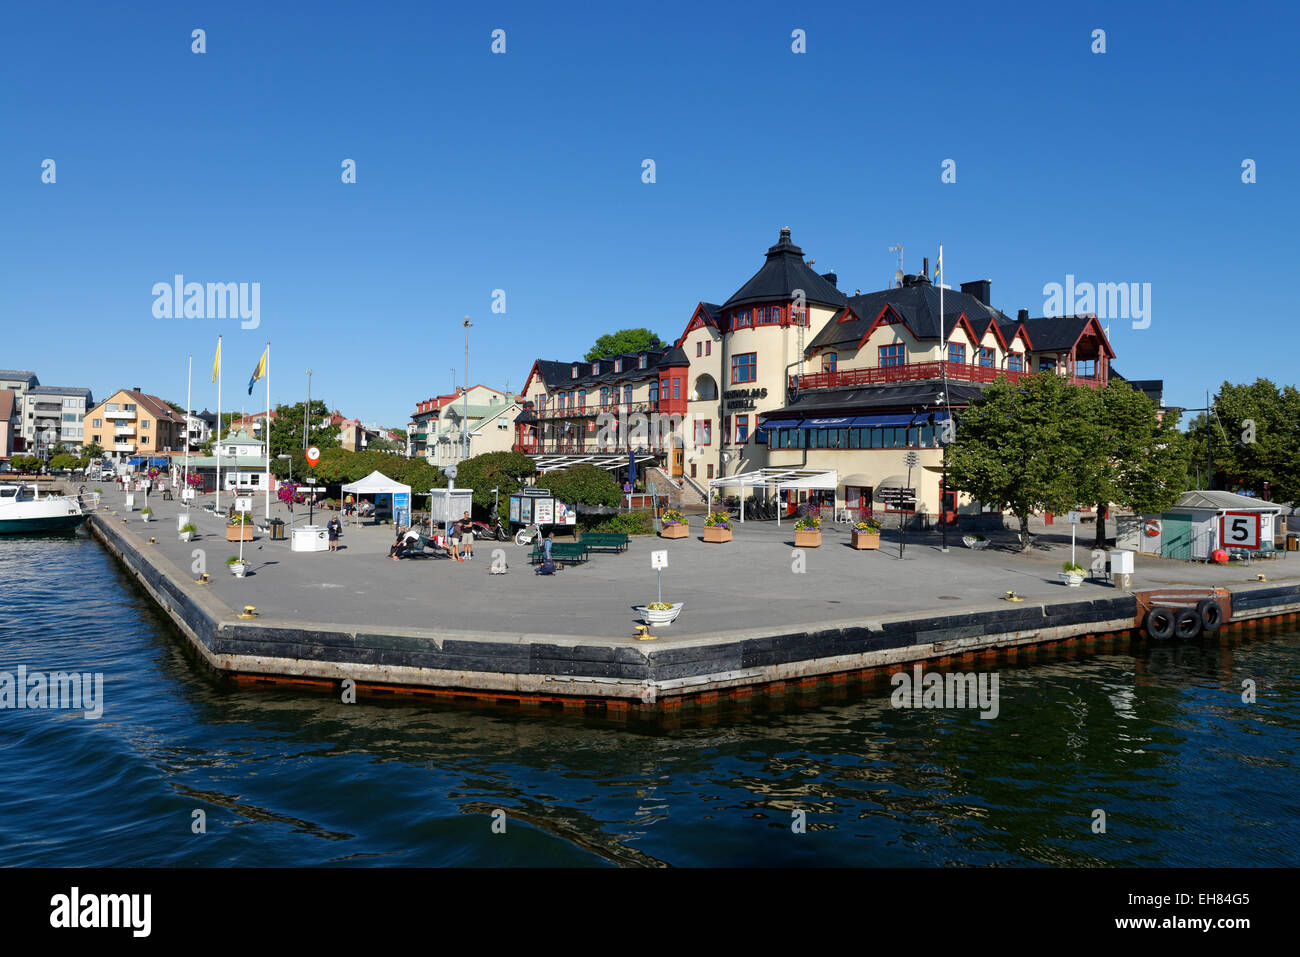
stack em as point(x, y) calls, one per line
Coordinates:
point(618, 365)
point(986, 359)
point(677, 387)
point(640, 361)
point(693, 470)
point(742, 429)
point(144, 440)
point(69, 417)
point(1083, 367)
point(829, 361)
point(595, 368)
point(699, 349)
point(1016, 362)
point(95, 439)
point(708, 347)
point(703, 431)
point(253, 479)
point(541, 403)
point(957, 353)
point(144, 423)
point(664, 388)
point(98, 423)
point(895, 355)
point(582, 399)
point(604, 396)
point(627, 395)
point(710, 470)
point(742, 317)
point(575, 372)
point(744, 367)
point(1046, 364)
point(654, 394)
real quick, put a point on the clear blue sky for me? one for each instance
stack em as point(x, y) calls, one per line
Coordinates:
point(523, 172)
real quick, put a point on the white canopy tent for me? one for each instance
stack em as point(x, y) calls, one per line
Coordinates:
point(777, 480)
point(376, 483)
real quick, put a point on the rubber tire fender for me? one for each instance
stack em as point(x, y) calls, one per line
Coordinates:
point(1211, 613)
point(1160, 624)
point(1187, 623)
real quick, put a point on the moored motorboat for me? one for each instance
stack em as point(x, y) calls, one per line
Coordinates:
point(23, 512)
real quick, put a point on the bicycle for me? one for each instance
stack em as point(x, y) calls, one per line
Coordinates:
point(527, 535)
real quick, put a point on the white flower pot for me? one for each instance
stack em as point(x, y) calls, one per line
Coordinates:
point(238, 568)
point(975, 543)
point(146, 517)
point(186, 536)
point(657, 616)
point(1071, 579)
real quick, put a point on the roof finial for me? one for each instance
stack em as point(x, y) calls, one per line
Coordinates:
point(785, 234)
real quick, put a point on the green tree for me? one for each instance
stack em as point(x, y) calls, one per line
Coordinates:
point(623, 342)
point(505, 471)
point(1130, 457)
point(1252, 436)
point(65, 461)
point(93, 450)
point(1018, 447)
point(583, 485)
point(286, 429)
point(384, 445)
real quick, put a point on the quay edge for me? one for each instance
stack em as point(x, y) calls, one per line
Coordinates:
point(623, 673)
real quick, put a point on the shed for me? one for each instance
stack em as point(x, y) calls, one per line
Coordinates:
point(1204, 520)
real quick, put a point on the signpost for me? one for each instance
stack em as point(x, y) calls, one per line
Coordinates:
point(1074, 518)
point(243, 505)
point(659, 561)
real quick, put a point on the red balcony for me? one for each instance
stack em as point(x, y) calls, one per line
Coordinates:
point(917, 371)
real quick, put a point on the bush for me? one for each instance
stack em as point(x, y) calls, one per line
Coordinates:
point(583, 485)
point(629, 523)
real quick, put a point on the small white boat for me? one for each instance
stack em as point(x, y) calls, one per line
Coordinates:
point(23, 511)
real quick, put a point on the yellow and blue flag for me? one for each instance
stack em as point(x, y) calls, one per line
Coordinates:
point(258, 372)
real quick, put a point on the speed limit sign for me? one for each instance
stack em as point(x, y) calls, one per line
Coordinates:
point(1239, 530)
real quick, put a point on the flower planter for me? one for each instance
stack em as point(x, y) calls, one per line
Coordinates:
point(680, 530)
point(863, 540)
point(146, 516)
point(805, 538)
point(652, 616)
point(716, 533)
point(1071, 579)
point(238, 568)
point(186, 536)
point(975, 543)
point(235, 533)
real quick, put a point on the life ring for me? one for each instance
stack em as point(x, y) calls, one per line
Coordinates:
point(1160, 623)
point(1211, 613)
point(1152, 528)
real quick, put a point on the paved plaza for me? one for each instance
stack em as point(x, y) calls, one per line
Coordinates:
point(755, 582)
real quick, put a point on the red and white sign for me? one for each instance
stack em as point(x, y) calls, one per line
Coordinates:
point(313, 456)
point(1239, 530)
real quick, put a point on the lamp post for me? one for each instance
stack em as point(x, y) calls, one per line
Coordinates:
point(464, 422)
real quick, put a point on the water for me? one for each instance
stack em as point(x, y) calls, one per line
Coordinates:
point(1186, 773)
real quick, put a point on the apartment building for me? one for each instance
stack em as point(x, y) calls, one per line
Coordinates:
point(131, 423)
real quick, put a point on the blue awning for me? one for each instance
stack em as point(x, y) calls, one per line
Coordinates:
point(135, 461)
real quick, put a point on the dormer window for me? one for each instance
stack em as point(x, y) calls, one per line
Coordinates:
point(575, 372)
point(618, 365)
point(640, 361)
point(595, 368)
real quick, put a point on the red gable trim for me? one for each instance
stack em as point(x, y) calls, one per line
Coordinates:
point(997, 333)
point(529, 381)
point(880, 320)
point(699, 319)
point(1094, 323)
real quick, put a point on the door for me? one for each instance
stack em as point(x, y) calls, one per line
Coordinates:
point(679, 457)
point(1176, 536)
point(948, 508)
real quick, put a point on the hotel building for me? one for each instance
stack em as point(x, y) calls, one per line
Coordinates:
point(792, 373)
point(131, 423)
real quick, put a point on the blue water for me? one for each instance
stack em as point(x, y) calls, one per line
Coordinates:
point(1160, 741)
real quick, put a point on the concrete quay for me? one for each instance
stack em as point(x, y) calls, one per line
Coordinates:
point(757, 613)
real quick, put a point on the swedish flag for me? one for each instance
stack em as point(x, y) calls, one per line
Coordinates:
point(258, 372)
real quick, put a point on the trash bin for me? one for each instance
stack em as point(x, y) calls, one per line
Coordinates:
point(277, 528)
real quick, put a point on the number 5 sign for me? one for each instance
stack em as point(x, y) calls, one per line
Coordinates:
point(1239, 530)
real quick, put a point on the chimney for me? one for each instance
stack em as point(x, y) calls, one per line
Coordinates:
point(831, 278)
point(925, 267)
point(1022, 315)
point(979, 288)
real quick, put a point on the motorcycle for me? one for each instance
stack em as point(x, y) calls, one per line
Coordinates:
point(484, 531)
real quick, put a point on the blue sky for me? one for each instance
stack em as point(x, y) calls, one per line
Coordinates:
point(522, 172)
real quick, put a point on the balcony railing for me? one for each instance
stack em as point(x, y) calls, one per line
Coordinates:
point(124, 430)
point(120, 414)
point(912, 372)
point(586, 448)
point(124, 447)
point(619, 408)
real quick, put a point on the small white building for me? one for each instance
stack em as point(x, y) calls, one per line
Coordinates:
point(1204, 520)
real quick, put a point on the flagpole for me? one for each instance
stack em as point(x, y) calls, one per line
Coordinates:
point(217, 444)
point(943, 355)
point(189, 385)
point(267, 432)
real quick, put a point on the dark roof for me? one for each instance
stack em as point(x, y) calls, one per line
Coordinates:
point(1049, 333)
point(782, 274)
point(874, 398)
point(1153, 389)
point(711, 313)
point(16, 374)
point(59, 390)
point(559, 375)
point(917, 304)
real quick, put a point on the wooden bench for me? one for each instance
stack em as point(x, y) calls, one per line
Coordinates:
point(613, 540)
point(562, 552)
